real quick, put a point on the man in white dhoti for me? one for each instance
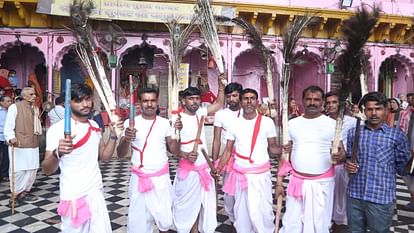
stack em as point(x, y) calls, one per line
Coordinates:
point(150, 190)
point(22, 129)
point(341, 175)
point(250, 139)
point(222, 121)
point(82, 204)
point(194, 188)
point(311, 185)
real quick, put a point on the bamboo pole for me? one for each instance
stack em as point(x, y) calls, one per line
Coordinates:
point(13, 195)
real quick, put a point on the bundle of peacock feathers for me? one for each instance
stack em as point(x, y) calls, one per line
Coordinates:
point(179, 40)
point(356, 31)
point(80, 11)
point(208, 28)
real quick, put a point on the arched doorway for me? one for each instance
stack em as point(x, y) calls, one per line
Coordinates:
point(25, 59)
point(148, 65)
point(394, 76)
point(307, 72)
point(249, 70)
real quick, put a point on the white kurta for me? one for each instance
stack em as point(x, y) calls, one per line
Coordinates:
point(190, 198)
point(80, 176)
point(253, 208)
point(24, 158)
point(341, 178)
point(156, 205)
point(223, 119)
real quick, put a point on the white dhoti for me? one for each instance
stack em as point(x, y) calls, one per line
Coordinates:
point(190, 199)
point(228, 201)
point(253, 208)
point(339, 204)
point(312, 213)
point(26, 163)
point(23, 180)
point(147, 207)
point(99, 221)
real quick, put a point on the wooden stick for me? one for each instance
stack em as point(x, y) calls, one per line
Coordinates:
point(355, 144)
point(13, 178)
point(278, 212)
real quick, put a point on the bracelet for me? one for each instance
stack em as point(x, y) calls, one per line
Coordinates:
point(113, 137)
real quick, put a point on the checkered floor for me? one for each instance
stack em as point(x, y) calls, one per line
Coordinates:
point(40, 216)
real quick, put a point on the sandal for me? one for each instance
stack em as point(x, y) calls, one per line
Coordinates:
point(28, 197)
point(17, 203)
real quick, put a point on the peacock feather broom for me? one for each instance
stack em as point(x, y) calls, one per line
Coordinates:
point(356, 30)
point(80, 11)
point(208, 28)
point(179, 40)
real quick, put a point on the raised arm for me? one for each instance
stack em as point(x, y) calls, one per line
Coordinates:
point(220, 98)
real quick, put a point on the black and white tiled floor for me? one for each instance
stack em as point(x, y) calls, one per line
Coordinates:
point(40, 216)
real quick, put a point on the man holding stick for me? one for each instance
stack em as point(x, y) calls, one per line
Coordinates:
point(150, 186)
point(382, 152)
point(311, 185)
point(194, 188)
point(341, 176)
point(251, 138)
point(222, 121)
point(22, 131)
point(82, 204)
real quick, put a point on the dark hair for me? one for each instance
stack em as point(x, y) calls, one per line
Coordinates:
point(147, 90)
point(233, 87)
point(313, 89)
point(249, 90)
point(59, 100)
point(410, 94)
point(190, 91)
point(79, 91)
point(331, 93)
point(376, 96)
point(4, 97)
point(396, 101)
point(17, 91)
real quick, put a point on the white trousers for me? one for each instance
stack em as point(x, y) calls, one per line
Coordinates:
point(189, 200)
point(253, 208)
point(99, 222)
point(149, 207)
point(339, 204)
point(313, 213)
point(23, 180)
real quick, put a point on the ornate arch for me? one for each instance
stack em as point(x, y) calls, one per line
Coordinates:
point(126, 51)
point(9, 45)
point(59, 56)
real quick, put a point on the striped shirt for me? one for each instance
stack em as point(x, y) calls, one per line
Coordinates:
point(381, 153)
point(405, 118)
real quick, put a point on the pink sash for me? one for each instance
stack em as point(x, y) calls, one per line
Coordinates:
point(296, 182)
point(238, 174)
point(144, 179)
point(77, 210)
point(184, 168)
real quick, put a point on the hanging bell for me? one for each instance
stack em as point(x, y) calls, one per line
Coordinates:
point(142, 62)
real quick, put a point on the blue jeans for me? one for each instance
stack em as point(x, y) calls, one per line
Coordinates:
point(363, 215)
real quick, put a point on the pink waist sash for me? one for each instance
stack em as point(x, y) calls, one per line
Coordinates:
point(144, 179)
point(296, 182)
point(77, 210)
point(184, 168)
point(238, 174)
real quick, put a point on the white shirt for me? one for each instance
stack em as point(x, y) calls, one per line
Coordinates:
point(223, 119)
point(56, 114)
point(241, 131)
point(155, 154)
point(189, 133)
point(312, 142)
point(79, 170)
point(349, 123)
